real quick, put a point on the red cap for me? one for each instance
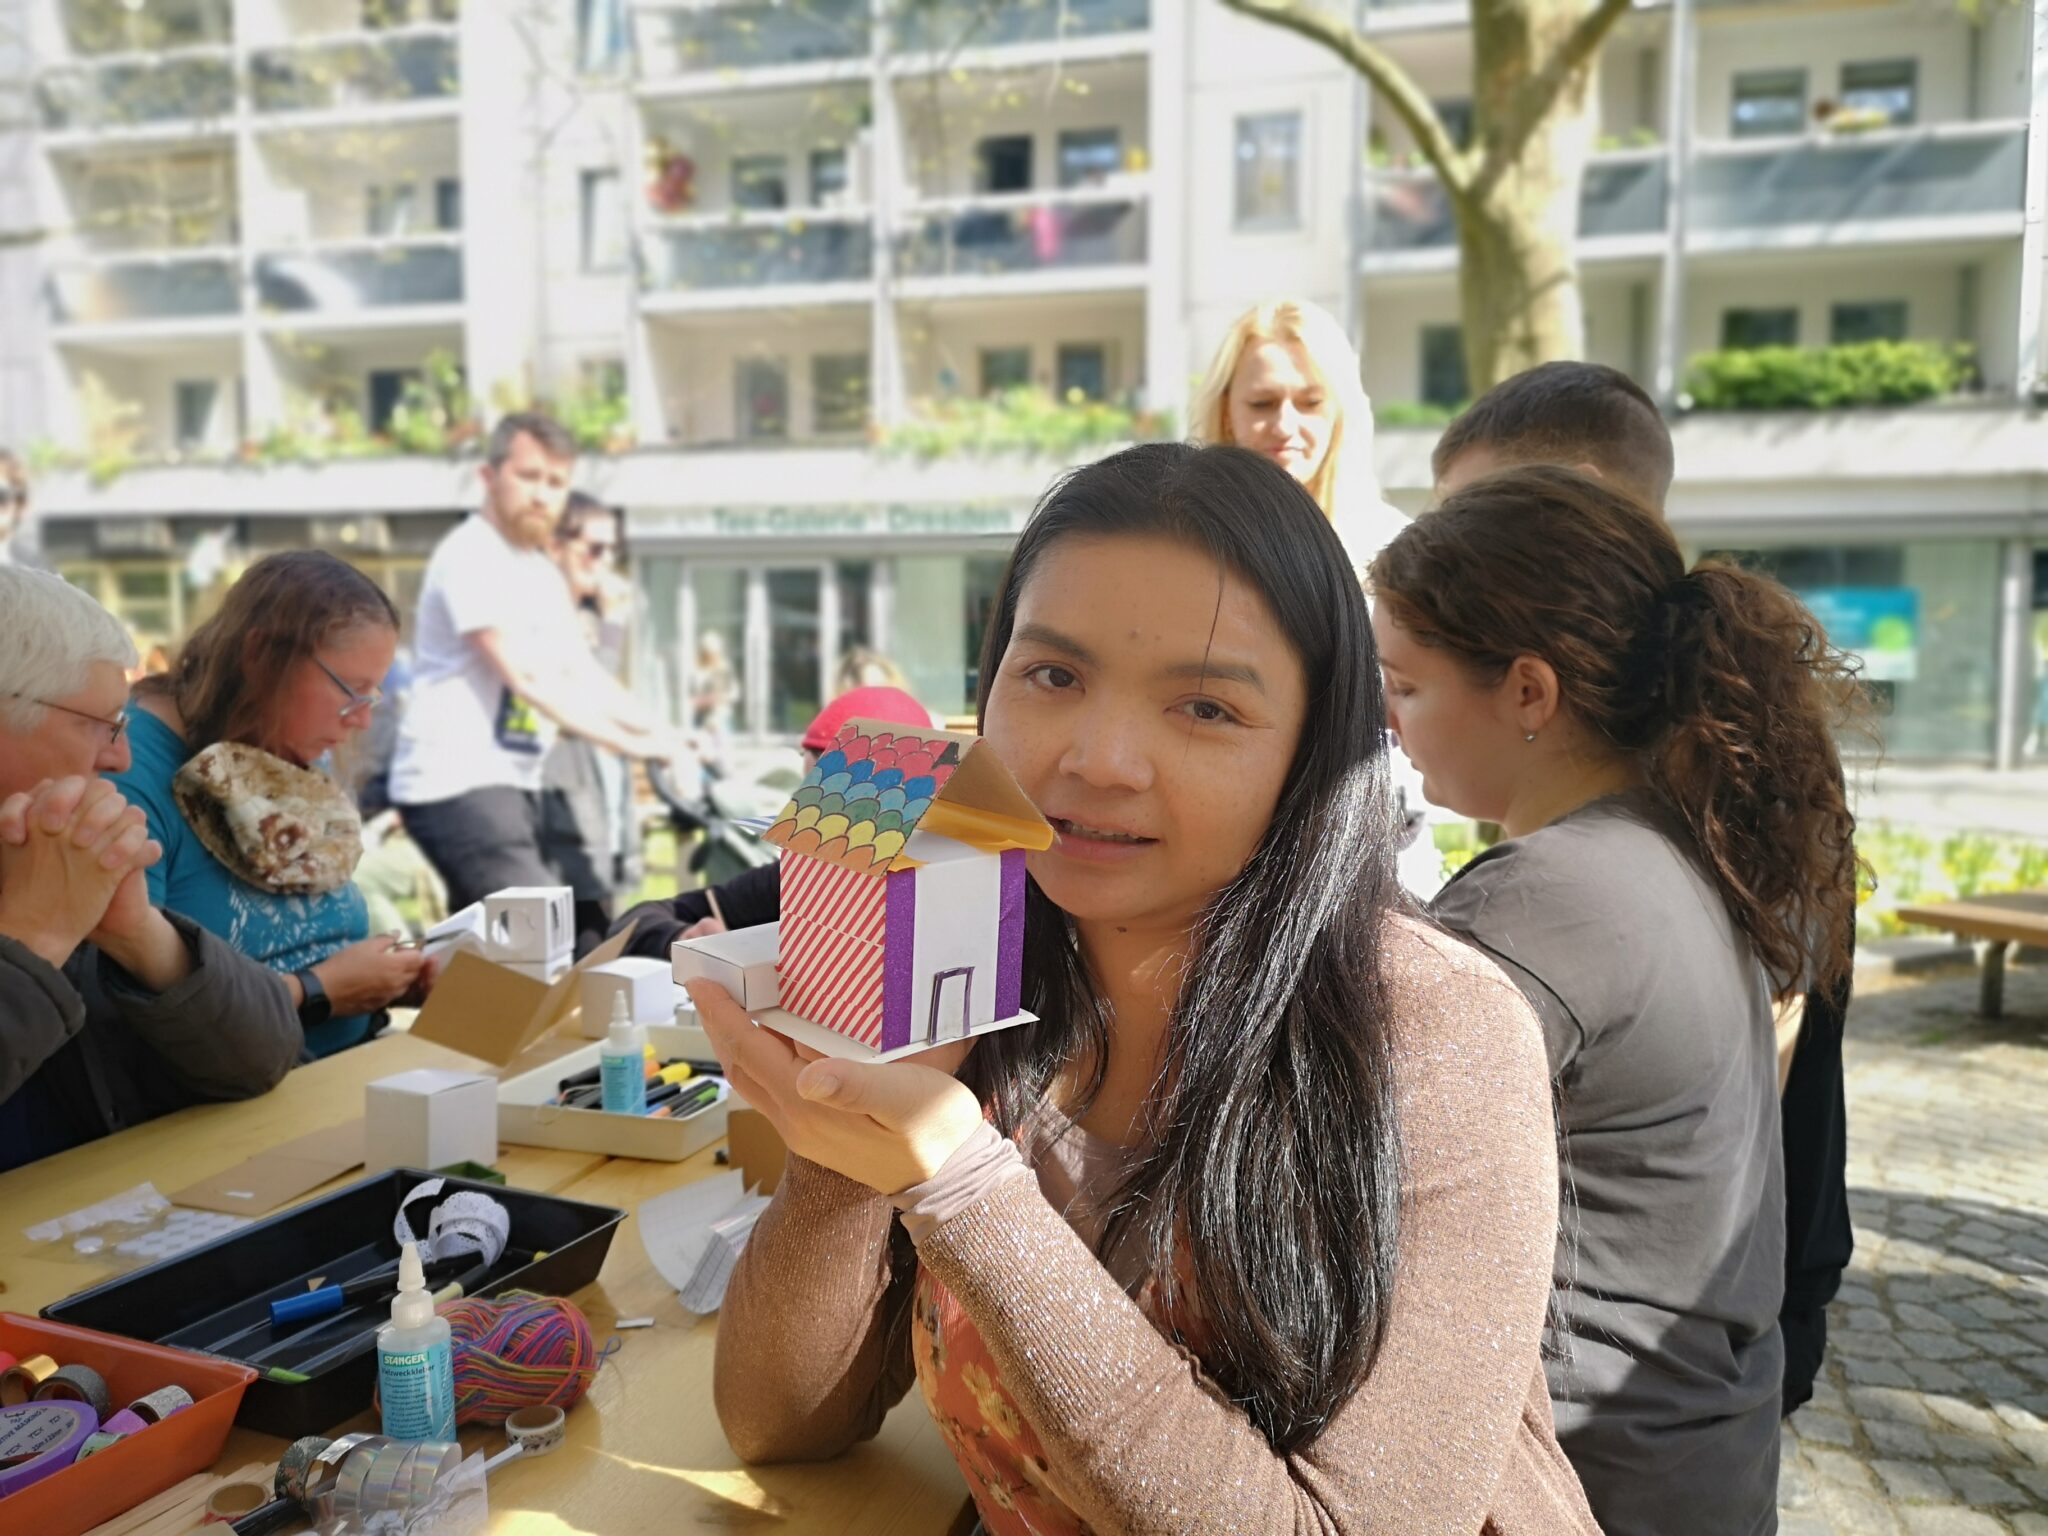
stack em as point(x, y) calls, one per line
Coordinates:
point(890, 704)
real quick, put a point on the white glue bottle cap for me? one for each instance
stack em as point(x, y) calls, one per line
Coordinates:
point(412, 1307)
point(620, 1041)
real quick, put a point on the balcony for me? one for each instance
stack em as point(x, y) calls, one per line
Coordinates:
point(718, 253)
point(688, 39)
point(1962, 181)
point(950, 26)
point(1622, 201)
point(418, 65)
point(137, 91)
point(1088, 234)
point(368, 277)
point(145, 290)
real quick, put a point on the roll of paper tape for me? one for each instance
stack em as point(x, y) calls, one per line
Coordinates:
point(231, 1501)
point(38, 1439)
point(536, 1430)
point(19, 1382)
point(76, 1384)
point(160, 1404)
point(99, 1441)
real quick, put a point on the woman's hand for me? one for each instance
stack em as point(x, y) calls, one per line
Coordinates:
point(370, 975)
point(887, 1125)
point(67, 848)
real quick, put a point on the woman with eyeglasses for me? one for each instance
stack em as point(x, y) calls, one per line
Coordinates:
point(231, 750)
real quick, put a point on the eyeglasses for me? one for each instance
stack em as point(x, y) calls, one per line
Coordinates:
point(358, 703)
point(113, 727)
point(599, 549)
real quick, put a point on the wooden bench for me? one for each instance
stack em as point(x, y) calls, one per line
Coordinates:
point(2000, 922)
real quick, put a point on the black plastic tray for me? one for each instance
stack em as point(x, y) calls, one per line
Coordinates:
point(205, 1299)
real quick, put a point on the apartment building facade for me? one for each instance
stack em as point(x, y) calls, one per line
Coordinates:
point(771, 233)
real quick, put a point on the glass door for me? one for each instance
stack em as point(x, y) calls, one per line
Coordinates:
point(757, 641)
point(791, 677)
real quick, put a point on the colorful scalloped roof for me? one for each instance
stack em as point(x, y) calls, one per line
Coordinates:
point(859, 805)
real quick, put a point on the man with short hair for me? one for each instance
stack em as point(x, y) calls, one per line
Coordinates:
point(111, 1011)
point(1596, 420)
point(501, 667)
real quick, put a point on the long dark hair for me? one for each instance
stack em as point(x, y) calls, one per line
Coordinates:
point(1716, 681)
point(1274, 1167)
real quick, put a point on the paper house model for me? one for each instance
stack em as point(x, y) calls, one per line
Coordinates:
point(902, 895)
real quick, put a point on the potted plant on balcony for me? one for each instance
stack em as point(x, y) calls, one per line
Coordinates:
point(671, 178)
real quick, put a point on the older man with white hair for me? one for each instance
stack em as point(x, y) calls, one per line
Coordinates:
point(111, 1012)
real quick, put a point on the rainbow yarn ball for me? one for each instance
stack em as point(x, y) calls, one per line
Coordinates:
point(520, 1351)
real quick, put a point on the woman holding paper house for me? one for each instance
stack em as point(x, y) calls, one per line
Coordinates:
point(1254, 1231)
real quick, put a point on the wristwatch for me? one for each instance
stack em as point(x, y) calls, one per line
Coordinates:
point(315, 1007)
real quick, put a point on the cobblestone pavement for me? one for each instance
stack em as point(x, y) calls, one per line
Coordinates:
point(1932, 1415)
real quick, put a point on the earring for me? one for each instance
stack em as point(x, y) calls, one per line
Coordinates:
point(1530, 737)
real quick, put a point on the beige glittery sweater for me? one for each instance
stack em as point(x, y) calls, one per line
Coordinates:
point(1450, 1432)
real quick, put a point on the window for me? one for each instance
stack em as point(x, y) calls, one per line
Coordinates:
point(760, 181)
point(1851, 323)
point(600, 35)
point(761, 410)
point(1744, 330)
point(828, 177)
point(389, 209)
point(1456, 116)
point(1888, 89)
point(1090, 156)
point(1003, 163)
point(604, 222)
point(603, 377)
point(1269, 172)
point(192, 403)
point(387, 388)
point(448, 203)
point(1005, 368)
point(839, 392)
point(1443, 366)
point(1767, 103)
point(1084, 369)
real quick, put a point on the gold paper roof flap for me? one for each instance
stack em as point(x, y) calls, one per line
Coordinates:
point(880, 782)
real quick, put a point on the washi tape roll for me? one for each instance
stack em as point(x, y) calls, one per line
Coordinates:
point(99, 1440)
point(19, 1382)
point(295, 1467)
point(536, 1430)
point(76, 1384)
point(38, 1439)
point(324, 1475)
point(126, 1422)
point(231, 1501)
point(160, 1404)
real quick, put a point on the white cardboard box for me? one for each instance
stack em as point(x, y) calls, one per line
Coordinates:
point(429, 1118)
point(548, 971)
point(529, 923)
point(526, 1118)
point(741, 961)
point(647, 985)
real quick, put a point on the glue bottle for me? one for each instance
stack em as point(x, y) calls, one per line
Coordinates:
point(415, 1365)
point(622, 1063)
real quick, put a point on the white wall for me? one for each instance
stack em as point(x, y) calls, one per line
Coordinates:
point(935, 339)
point(1739, 39)
point(1930, 286)
point(943, 124)
point(147, 382)
point(1998, 319)
point(786, 124)
point(310, 367)
point(145, 203)
point(316, 186)
point(696, 366)
point(2004, 60)
point(1396, 312)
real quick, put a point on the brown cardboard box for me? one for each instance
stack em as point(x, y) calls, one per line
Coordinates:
point(494, 1014)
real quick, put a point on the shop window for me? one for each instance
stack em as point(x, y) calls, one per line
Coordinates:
point(1268, 172)
point(604, 222)
point(1090, 156)
point(939, 615)
point(1852, 323)
point(1084, 370)
point(1003, 163)
point(828, 177)
point(1768, 103)
point(1887, 90)
point(839, 393)
point(1004, 368)
point(1444, 381)
point(192, 405)
point(762, 408)
point(760, 181)
point(1744, 330)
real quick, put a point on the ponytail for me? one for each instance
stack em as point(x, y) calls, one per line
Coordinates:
point(1717, 681)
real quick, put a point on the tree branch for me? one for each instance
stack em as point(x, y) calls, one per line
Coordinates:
point(1410, 103)
point(1534, 101)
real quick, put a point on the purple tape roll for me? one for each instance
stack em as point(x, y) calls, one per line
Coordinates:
point(126, 1422)
point(38, 1439)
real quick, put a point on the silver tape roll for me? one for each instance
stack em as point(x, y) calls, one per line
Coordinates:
point(536, 1431)
point(77, 1384)
point(160, 1404)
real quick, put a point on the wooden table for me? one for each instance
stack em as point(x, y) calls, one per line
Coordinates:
point(2001, 922)
point(644, 1452)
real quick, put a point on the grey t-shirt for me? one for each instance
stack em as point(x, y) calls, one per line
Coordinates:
point(1670, 1265)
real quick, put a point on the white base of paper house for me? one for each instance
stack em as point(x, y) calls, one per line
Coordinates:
point(829, 1042)
point(527, 1119)
point(741, 961)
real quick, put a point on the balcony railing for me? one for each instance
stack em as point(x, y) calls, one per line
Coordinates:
point(1026, 232)
point(1623, 195)
point(687, 39)
point(354, 71)
point(347, 280)
point(137, 91)
point(94, 27)
point(1928, 173)
point(134, 290)
point(944, 26)
point(756, 251)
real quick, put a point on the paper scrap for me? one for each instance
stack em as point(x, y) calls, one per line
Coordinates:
point(695, 1235)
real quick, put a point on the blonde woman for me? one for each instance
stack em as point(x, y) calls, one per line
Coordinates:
point(1285, 383)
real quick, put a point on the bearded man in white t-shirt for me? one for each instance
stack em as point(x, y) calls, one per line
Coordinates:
point(503, 666)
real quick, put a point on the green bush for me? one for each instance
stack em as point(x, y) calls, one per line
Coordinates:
point(1413, 413)
point(1023, 421)
point(1827, 378)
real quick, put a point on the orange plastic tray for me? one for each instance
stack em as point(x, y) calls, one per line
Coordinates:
point(142, 1466)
